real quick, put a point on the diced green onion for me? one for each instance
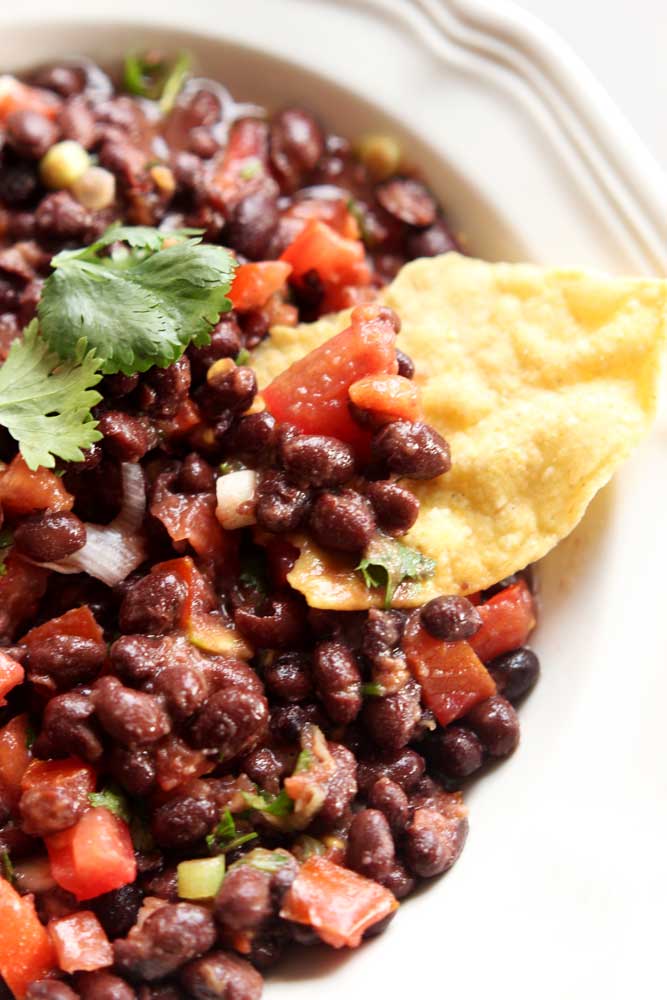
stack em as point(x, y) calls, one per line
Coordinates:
point(200, 878)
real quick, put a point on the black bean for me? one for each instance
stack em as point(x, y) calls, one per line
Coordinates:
point(68, 729)
point(63, 661)
point(288, 677)
point(117, 910)
point(430, 242)
point(317, 460)
point(407, 200)
point(164, 885)
point(77, 122)
point(167, 388)
point(30, 134)
point(47, 810)
point(132, 718)
point(169, 937)
point(279, 627)
point(414, 450)
point(253, 221)
point(139, 658)
point(233, 388)
point(281, 507)
point(457, 752)
point(496, 723)
point(225, 343)
point(406, 366)
point(244, 900)
point(388, 796)
point(101, 985)
point(17, 185)
point(231, 722)
point(382, 633)
point(183, 688)
point(183, 821)
point(134, 770)
point(288, 721)
point(515, 673)
point(255, 326)
point(297, 143)
point(370, 845)
point(222, 976)
point(343, 521)
point(433, 842)
point(396, 508)
point(153, 604)
point(59, 216)
point(337, 680)
point(405, 767)
point(341, 791)
point(119, 385)
point(50, 989)
point(64, 80)
point(196, 475)
point(125, 437)
point(391, 720)
point(251, 438)
point(399, 881)
point(266, 768)
point(451, 618)
point(48, 537)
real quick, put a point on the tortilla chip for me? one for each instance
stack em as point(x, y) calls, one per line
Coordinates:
point(541, 380)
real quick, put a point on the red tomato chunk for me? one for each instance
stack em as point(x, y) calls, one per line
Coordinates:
point(80, 942)
point(508, 619)
point(26, 952)
point(94, 856)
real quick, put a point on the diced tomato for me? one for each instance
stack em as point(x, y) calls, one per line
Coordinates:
point(388, 397)
point(17, 96)
point(244, 159)
point(80, 942)
point(11, 674)
point(72, 774)
point(204, 627)
point(26, 952)
point(14, 756)
point(79, 622)
point(333, 211)
point(21, 588)
point(337, 903)
point(93, 856)
point(187, 417)
point(191, 518)
point(313, 393)
point(176, 763)
point(23, 490)
point(254, 284)
point(337, 260)
point(451, 675)
point(508, 618)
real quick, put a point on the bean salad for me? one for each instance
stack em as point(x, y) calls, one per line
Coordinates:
point(199, 773)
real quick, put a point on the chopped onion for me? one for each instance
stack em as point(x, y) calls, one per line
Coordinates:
point(236, 493)
point(201, 878)
point(112, 551)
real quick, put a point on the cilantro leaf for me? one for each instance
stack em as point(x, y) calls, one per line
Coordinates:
point(155, 78)
point(303, 761)
point(372, 689)
point(6, 539)
point(7, 868)
point(45, 403)
point(387, 563)
point(113, 800)
point(263, 860)
point(138, 309)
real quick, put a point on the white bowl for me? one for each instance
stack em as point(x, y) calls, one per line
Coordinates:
point(560, 890)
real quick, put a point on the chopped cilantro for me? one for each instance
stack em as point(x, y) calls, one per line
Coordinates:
point(253, 571)
point(251, 168)
point(225, 836)
point(243, 356)
point(148, 75)
point(263, 860)
point(113, 800)
point(274, 805)
point(387, 563)
point(6, 539)
point(372, 690)
point(140, 307)
point(7, 867)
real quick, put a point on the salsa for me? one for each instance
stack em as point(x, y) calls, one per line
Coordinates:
point(198, 771)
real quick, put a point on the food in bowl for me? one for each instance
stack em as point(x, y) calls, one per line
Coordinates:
point(276, 461)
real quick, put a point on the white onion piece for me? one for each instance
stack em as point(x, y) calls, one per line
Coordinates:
point(236, 494)
point(112, 551)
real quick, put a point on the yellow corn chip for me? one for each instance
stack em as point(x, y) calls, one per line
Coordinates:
point(541, 380)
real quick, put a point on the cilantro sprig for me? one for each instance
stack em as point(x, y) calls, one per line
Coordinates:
point(225, 836)
point(136, 307)
point(387, 563)
point(135, 298)
point(151, 76)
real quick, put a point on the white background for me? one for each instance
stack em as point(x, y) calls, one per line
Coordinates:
point(624, 42)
